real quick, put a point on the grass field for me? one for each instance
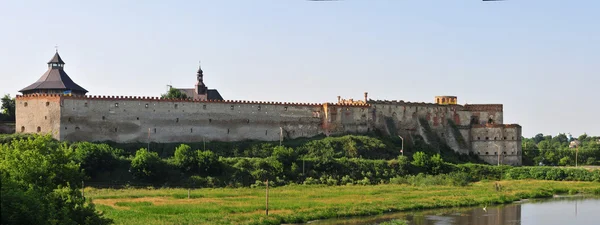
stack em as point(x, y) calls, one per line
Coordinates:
point(295, 204)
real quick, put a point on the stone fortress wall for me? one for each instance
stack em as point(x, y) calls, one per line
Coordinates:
point(465, 128)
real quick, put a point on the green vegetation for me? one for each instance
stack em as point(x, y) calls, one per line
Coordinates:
point(7, 110)
point(555, 151)
point(43, 175)
point(40, 184)
point(303, 203)
point(174, 93)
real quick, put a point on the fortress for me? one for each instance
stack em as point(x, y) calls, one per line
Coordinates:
point(57, 105)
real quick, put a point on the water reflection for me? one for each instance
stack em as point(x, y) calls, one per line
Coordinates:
point(561, 210)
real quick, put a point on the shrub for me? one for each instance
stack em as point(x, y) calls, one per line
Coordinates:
point(147, 165)
point(185, 158)
point(96, 158)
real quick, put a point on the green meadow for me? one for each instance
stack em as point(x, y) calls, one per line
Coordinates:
point(303, 203)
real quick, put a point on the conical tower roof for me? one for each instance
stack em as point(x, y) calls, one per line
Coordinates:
point(55, 79)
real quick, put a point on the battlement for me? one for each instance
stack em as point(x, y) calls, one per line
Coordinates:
point(490, 125)
point(158, 99)
point(401, 102)
point(483, 107)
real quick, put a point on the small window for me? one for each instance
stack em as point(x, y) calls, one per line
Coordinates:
point(137, 118)
point(116, 105)
point(513, 138)
point(155, 130)
point(203, 106)
point(65, 128)
point(494, 138)
point(177, 120)
point(248, 121)
point(115, 129)
point(85, 104)
point(478, 138)
point(487, 153)
point(495, 153)
point(45, 117)
point(175, 105)
point(47, 103)
point(209, 120)
point(487, 138)
point(232, 107)
point(504, 153)
point(39, 129)
point(227, 131)
point(103, 118)
point(22, 129)
point(70, 120)
point(504, 138)
point(191, 130)
point(25, 104)
point(265, 132)
point(442, 134)
point(146, 105)
point(259, 108)
point(77, 128)
point(285, 108)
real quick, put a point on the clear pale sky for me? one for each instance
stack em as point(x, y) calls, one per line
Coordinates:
point(540, 58)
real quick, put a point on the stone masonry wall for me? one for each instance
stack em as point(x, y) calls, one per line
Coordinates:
point(40, 114)
point(141, 119)
point(491, 141)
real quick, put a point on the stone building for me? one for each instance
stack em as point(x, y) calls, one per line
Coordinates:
point(473, 128)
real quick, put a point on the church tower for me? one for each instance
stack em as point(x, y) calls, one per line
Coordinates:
point(201, 88)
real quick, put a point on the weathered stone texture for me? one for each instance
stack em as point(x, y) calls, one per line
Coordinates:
point(134, 119)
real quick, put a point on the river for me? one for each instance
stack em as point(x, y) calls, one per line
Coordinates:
point(572, 210)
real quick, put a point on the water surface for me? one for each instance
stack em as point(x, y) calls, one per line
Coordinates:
point(560, 210)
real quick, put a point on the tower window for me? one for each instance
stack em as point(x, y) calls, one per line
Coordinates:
point(22, 129)
point(45, 117)
point(285, 108)
point(177, 120)
point(115, 129)
point(137, 118)
point(209, 120)
point(232, 107)
point(259, 108)
point(175, 105)
point(155, 130)
point(266, 132)
point(227, 131)
point(25, 104)
point(85, 104)
point(47, 103)
point(504, 138)
point(39, 129)
point(103, 118)
point(487, 138)
point(191, 130)
point(203, 106)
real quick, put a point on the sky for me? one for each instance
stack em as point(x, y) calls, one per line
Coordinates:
point(539, 58)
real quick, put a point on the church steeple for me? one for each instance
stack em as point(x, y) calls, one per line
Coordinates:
point(200, 74)
point(201, 88)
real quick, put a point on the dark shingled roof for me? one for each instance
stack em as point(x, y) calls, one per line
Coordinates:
point(56, 59)
point(213, 94)
point(55, 79)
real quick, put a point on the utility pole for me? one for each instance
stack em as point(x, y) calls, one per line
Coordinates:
point(82, 190)
point(204, 143)
point(576, 152)
point(148, 139)
point(280, 135)
point(267, 198)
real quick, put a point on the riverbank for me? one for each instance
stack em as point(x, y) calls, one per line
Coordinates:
point(302, 203)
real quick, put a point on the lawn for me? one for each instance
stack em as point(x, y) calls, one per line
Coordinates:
point(302, 203)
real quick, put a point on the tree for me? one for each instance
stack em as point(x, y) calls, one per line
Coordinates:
point(185, 158)
point(208, 162)
point(8, 108)
point(174, 93)
point(40, 184)
point(146, 165)
point(96, 158)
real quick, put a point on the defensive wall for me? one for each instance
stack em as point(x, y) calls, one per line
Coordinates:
point(142, 119)
point(465, 128)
